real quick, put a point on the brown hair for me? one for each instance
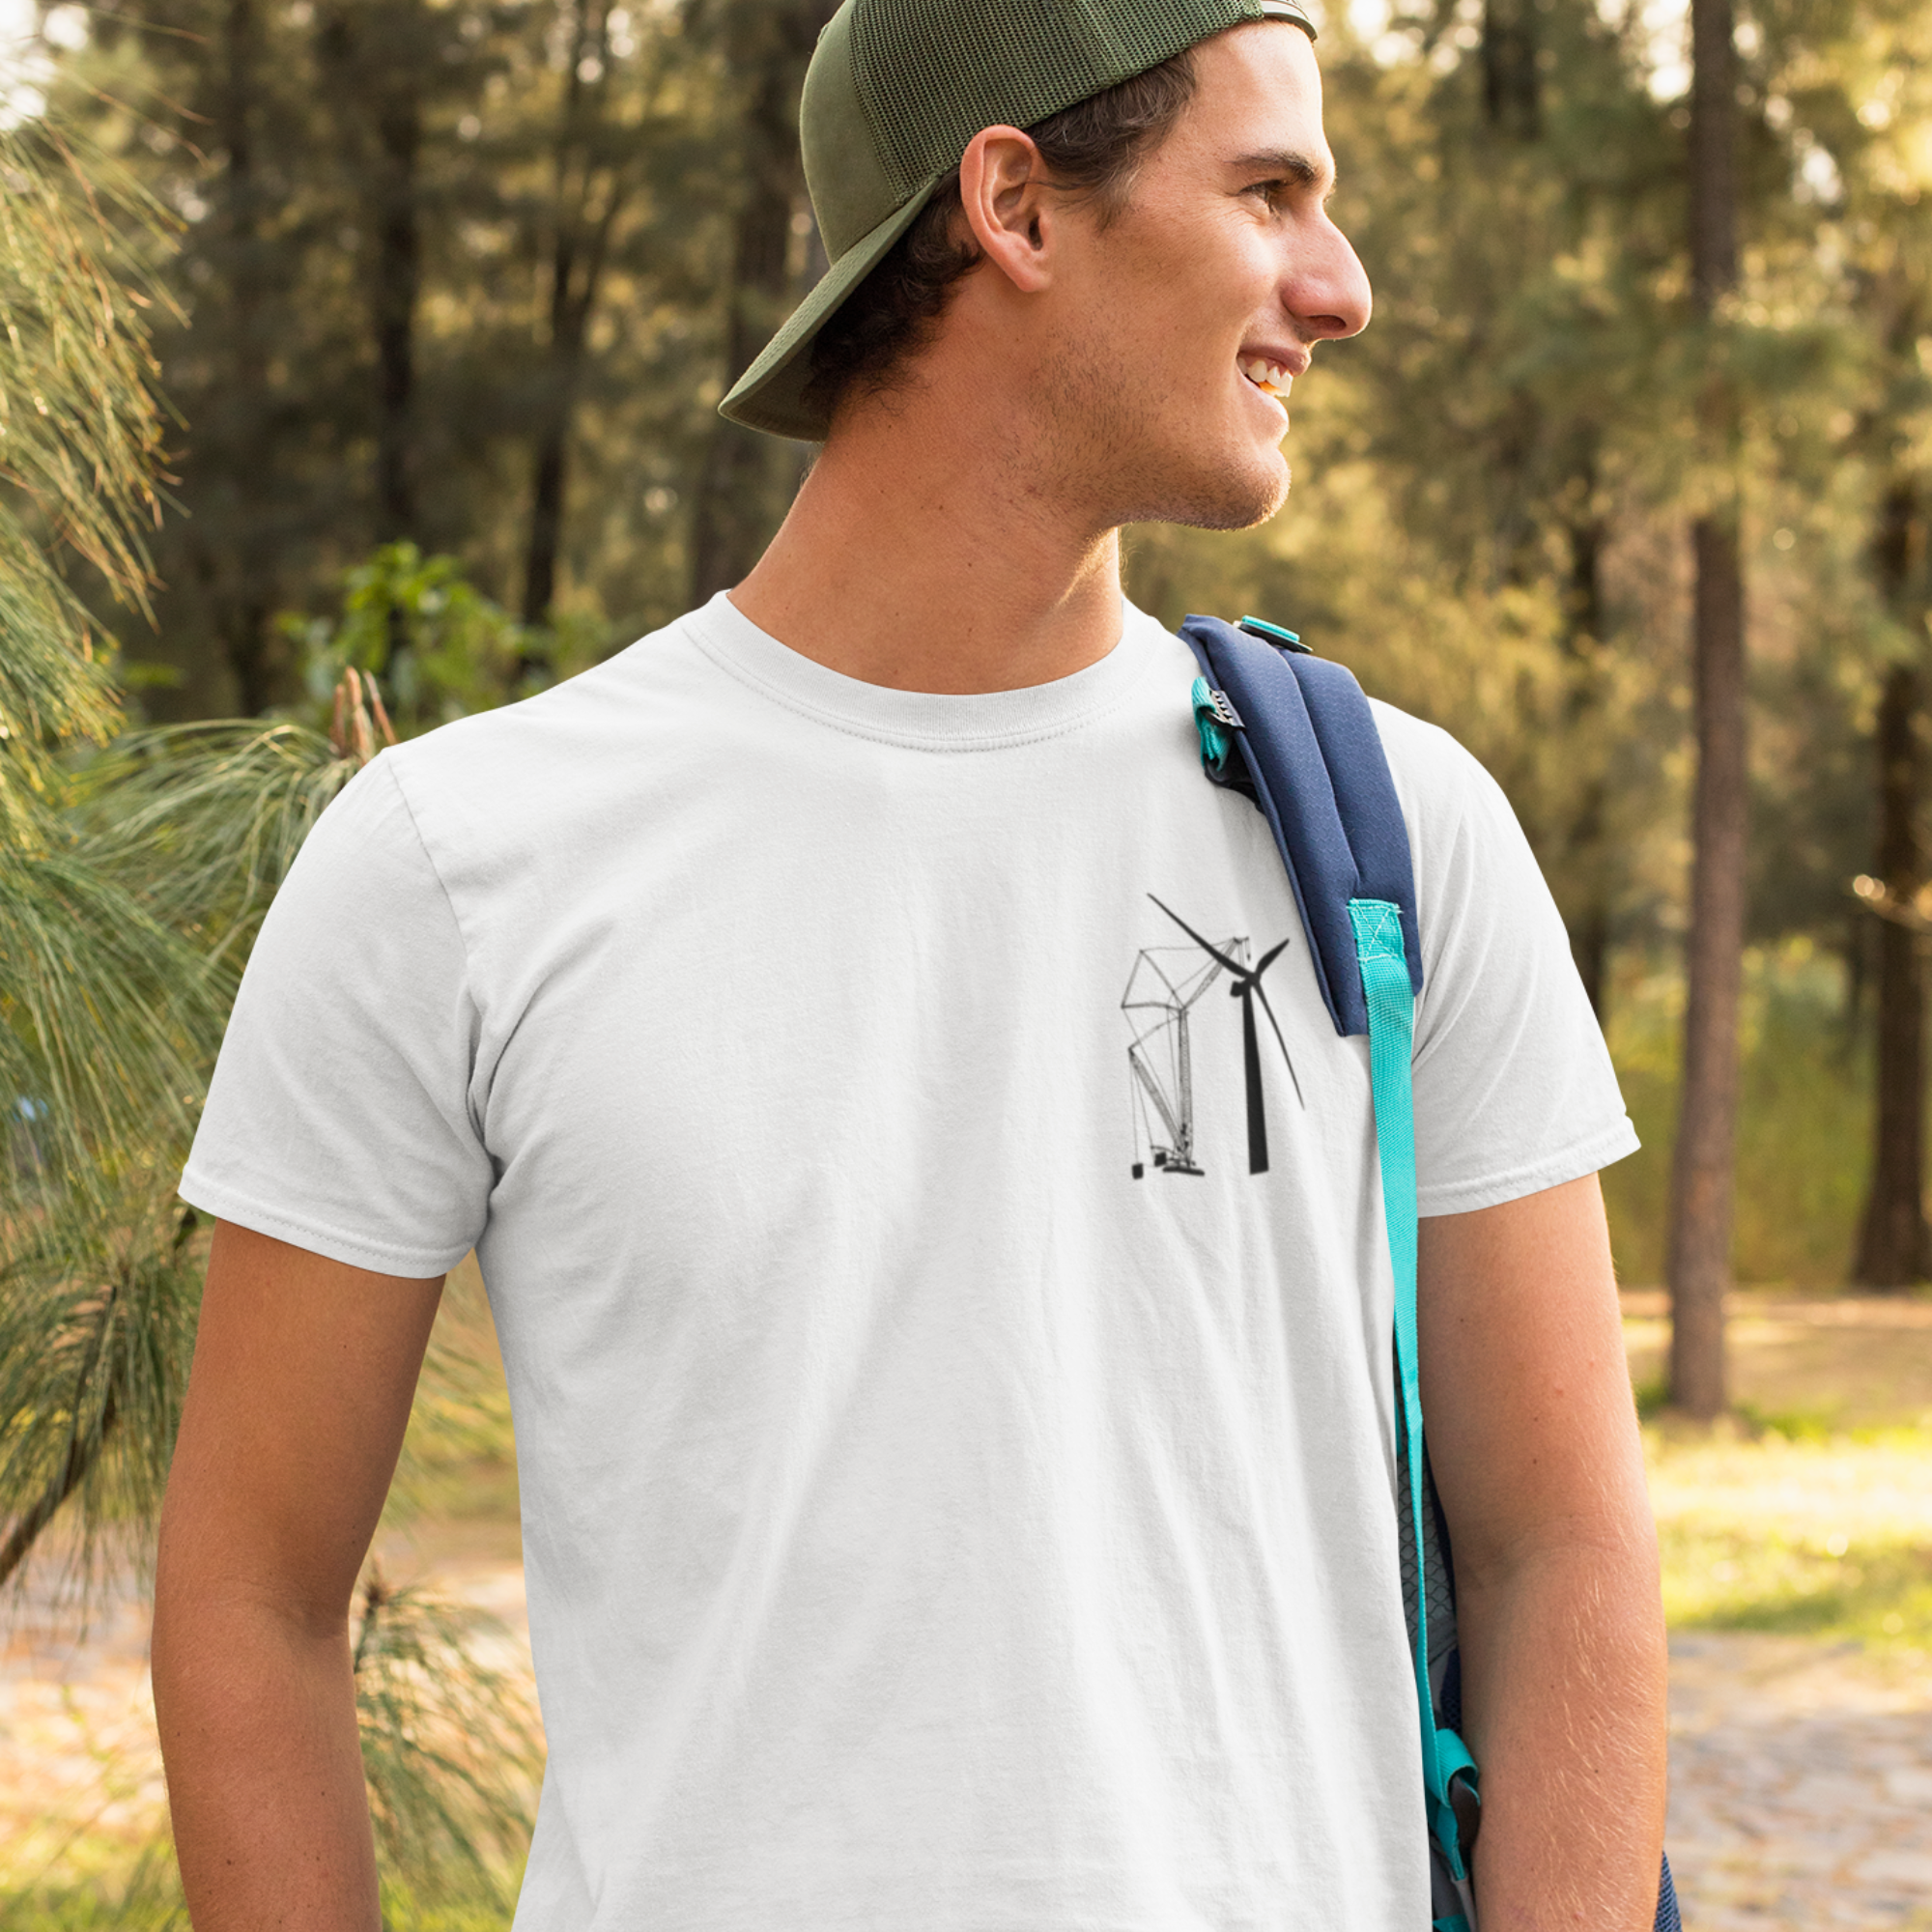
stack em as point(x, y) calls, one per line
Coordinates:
point(1094, 148)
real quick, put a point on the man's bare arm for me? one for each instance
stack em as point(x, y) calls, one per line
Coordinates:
point(304, 1372)
point(1533, 1440)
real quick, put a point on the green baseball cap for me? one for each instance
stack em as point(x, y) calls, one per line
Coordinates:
point(897, 88)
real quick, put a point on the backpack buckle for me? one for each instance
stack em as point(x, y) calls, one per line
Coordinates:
point(1273, 634)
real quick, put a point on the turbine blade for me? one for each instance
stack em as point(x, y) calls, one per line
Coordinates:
point(1214, 952)
point(1260, 995)
point(1267, 959)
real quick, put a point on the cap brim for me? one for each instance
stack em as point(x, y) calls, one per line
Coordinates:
point(770, 395)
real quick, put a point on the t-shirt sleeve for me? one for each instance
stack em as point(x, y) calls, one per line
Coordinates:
point(1514, 1087)
point(339, 1117)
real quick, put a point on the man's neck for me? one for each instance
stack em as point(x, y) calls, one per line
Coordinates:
point(923, 555)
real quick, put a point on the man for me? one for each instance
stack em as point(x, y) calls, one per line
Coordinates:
point(937, 1513)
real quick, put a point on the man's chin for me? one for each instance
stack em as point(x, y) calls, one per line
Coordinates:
point(1236, 496)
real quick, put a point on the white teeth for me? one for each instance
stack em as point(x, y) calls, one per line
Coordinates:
point(1271, 378)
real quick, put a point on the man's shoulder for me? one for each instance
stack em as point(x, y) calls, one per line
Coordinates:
point(1447, 793)
point(624, 691)
point(1425, 758)
point(522, 774)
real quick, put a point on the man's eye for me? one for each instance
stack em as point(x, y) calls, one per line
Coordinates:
point(1272, 193)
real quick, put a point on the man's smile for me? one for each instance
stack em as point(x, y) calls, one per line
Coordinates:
point(1271, 379)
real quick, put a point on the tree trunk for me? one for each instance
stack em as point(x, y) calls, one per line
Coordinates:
point(1588, 858)
point(1701, 1191)
point(1714, 165)
point(1511, 89)
point(580, 244)
point(1590, 925)
point(731, 517)
point(1703, 1172)
point(371, 54)
point(553, 441)
point(241, 598)
point(398, 282)
point(1895, 1239)
point(547, 481)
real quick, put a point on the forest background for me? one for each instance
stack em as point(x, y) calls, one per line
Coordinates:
point(470, 279)
point(414, 316)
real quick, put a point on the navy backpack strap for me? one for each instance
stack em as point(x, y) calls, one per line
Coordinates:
point(1313, 764)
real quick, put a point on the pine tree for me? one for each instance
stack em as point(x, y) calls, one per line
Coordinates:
point(108, 1016)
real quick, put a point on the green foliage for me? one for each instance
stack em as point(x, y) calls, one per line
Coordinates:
point(97, 1325)
point(459, 1454)
point(563, 171)
point(80, 427)
point(404, 1911)
point(106, 1017)
point(199, 822)
point(146, 1899)
point(108, 1022)
point(439, 646)
point(451, 1755)
point(1804, 1126)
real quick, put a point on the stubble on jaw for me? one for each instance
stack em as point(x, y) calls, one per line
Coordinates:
point(1099, 440)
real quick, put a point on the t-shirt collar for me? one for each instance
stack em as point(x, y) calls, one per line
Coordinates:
point(931, 720)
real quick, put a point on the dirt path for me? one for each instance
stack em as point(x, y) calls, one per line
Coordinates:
point(1801, 1772)
point(1800, 1779)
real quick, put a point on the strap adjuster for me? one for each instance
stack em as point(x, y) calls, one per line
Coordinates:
point(1223, 709)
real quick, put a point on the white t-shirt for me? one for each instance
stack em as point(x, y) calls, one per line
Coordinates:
point(942, 1510)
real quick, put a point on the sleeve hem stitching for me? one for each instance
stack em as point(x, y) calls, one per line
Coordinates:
point(228, 1204)
point(1588, 1156)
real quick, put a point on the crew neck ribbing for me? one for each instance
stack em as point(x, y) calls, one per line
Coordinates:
point(922, 719)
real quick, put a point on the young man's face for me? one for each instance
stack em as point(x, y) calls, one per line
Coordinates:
point(1223, 260)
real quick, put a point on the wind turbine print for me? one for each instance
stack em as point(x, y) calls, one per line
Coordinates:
point(1246, 986)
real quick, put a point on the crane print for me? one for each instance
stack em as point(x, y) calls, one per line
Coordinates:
point(1163, 987)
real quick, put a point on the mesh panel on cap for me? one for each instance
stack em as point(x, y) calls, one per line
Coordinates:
point(932, 72)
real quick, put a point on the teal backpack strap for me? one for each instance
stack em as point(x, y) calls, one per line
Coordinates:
point(1391, 1011)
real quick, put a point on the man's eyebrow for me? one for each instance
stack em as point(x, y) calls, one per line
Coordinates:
point(1288, 165)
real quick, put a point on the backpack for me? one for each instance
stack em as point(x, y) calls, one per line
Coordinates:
point(1312, 760)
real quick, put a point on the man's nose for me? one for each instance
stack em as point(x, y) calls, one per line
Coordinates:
point(1328, 291)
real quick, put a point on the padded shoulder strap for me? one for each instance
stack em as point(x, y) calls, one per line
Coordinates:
point(1316, 765)
point(1312, 758)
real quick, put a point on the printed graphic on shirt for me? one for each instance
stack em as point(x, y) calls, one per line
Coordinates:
point(1163, 991)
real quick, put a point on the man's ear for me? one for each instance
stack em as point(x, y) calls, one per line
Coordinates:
point(1007, 202)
